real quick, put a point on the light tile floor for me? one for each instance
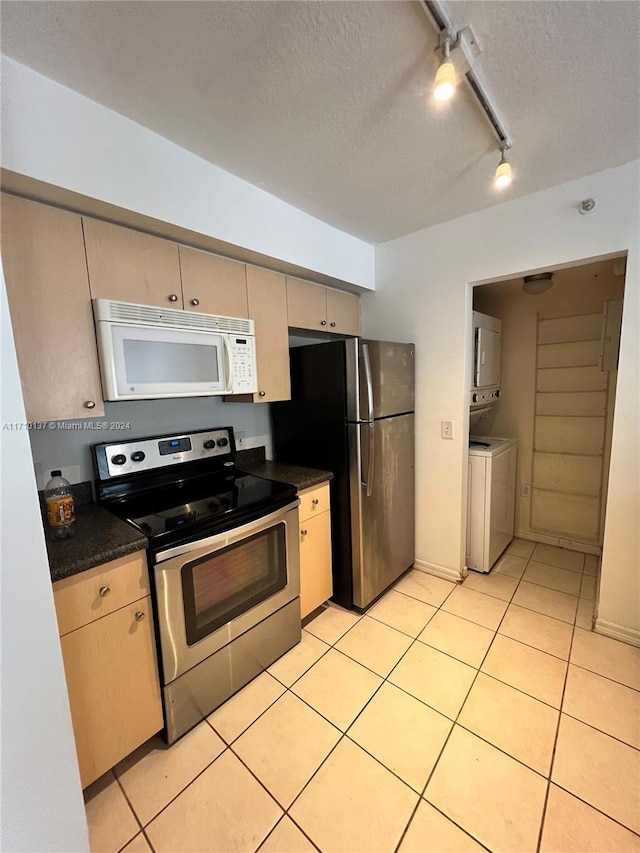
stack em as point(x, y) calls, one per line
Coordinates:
point(448, 719)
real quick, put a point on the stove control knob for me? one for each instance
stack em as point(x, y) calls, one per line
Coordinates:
point(209, 444)
point(222, 442)
point(475, 398)
point(138, 456)
point(118, 459)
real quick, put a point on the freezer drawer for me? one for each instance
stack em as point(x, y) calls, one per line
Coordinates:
point(383, 501)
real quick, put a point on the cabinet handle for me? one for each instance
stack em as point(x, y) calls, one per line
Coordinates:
point(139, 616)
point(89, 404)
point(303, 533)
point(315, 501)
point(323, 322)
point(333, 325)
point(173, 297)
point(262, 394)
point(104, 591)
point(195, 302)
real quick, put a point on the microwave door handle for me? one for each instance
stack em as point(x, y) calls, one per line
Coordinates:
point(228, 361)
point(478, 345)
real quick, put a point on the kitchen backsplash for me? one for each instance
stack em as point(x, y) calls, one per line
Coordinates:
point(66, 444)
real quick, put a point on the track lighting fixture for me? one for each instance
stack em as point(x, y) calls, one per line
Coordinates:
point(445, 84)
point(503, 173)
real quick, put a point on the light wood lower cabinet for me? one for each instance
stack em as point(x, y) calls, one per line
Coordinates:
point(111, 672)
point(316, 580)
point(50, 306)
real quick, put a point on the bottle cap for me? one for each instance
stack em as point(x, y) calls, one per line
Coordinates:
point(56, 473)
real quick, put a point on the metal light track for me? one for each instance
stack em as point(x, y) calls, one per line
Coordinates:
point(442, 24)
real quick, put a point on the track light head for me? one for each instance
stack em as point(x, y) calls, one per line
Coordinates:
point(445, 83)
point(503, 176)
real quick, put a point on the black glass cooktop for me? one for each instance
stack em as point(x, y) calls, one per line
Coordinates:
point(185, 511)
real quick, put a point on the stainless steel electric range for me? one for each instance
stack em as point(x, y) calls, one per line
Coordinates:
point(223, 561)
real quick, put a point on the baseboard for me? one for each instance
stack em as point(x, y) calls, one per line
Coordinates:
point(618, 632)
point(438, 571)
point(558, 541)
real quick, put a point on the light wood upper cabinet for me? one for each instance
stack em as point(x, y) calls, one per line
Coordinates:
point(343, 312)
point(268, 309)
point(50, 306)
point(129, 266)
point(306, 305)
point(312, 306)
point(212, 284)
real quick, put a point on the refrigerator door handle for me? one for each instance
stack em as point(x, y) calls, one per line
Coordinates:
point(368, 380)
point(368, 484)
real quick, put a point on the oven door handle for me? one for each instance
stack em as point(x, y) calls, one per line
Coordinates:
point(228, 536)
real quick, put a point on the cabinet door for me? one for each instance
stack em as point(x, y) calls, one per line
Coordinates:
point(50, 306)
point(129, 266)
point(114, 693)
point(268, 309)
point(306, 305)
point(212, 284)
point(316, 583)
point(343, 312)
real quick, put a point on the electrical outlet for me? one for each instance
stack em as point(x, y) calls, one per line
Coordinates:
point(525, 490)
point(446, 429)
point(241, 440)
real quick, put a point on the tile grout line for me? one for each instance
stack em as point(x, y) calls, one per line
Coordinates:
point(553, 752)
point(343, 735)
point(444, 745)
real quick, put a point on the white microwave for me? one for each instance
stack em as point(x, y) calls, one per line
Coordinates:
point(149, 353)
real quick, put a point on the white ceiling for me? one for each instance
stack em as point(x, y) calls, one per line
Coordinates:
point(328, 105)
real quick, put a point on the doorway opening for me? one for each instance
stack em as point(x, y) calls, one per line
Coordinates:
point(559, 340)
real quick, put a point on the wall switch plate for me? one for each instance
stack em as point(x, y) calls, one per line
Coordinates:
point(241, 440)
point(446, 429)
point(525, 490)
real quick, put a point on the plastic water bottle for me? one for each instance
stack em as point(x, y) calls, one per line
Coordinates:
point(61, 513)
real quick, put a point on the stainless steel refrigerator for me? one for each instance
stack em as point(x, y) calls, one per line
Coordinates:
point(351, 413)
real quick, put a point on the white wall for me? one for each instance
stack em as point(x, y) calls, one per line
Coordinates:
point(423, 294)
point(53, 134)
point(42, 806)
point(66, 444)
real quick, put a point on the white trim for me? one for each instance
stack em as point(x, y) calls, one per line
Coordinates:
point(438, 571)
point(558, 541)
point(618, 632)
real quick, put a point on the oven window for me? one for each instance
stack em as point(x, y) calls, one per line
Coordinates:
point(227, 583)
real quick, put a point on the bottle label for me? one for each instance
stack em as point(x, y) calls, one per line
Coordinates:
point(60, 511)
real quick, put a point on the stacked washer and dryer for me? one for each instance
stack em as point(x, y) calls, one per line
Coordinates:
point(492, 461)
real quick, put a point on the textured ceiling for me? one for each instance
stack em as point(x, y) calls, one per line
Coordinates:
point(328, 105)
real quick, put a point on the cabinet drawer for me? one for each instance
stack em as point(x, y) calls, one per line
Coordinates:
point(89, 595)
point(313, 501)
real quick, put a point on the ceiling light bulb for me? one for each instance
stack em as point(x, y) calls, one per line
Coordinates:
point(445, 81)
point(503, 172)
point(445, 84)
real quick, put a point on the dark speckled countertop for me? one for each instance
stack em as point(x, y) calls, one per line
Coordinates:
point(100, 537)
point(253, 461)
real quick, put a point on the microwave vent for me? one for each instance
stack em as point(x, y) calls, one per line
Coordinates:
point(106, 310)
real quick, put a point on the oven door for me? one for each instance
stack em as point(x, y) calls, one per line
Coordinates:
point(211, 591)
